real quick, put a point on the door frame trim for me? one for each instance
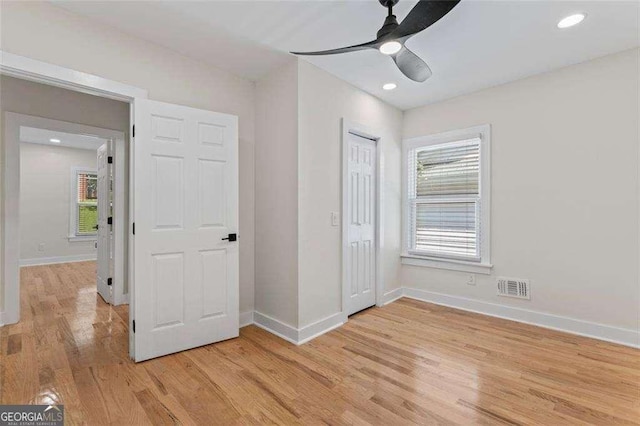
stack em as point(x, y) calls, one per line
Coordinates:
point(374, 135)
point(41, 72)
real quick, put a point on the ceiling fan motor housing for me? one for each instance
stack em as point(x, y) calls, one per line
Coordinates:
point(390, 24)
point(388, 3)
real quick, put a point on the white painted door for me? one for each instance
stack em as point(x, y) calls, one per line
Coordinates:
point(185, 207)
point(104, 241)
point(361, 244)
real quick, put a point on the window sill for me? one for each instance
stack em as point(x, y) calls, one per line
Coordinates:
point(450, 264)
point(75, 238)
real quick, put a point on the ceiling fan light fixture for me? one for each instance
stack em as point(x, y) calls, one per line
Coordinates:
point(390, 47)
point(571, 20)
point(391, 37)
point(389, 86)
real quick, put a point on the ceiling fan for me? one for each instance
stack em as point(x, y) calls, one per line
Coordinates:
point(392, 36)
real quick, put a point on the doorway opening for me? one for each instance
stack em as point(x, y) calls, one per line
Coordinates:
point(72, 215)
point(54, 256)
point(70, 199)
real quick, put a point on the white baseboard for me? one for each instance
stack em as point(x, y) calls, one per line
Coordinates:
point(246, 318)
point(273, 326)
point(623, 336)
point(392, 296)
point(57, 259)
point(121, 300)
point(318, 328)
point(297, 336)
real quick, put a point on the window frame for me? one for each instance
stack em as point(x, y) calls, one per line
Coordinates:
point(483, 225)
point(74, 206)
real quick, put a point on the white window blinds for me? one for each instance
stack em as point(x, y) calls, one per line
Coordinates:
point(444, 200)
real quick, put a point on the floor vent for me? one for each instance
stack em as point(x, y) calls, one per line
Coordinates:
point(514, 287)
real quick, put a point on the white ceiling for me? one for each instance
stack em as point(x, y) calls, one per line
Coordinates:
point(479, 44)
point(69, 140)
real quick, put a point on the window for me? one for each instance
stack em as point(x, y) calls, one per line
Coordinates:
point(446, 204)
point(84, 204)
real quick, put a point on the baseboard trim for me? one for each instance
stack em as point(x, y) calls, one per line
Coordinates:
point(623, 336)
point(8, 317)
point(121, 300)
point(392, 296)
point(593, 330)
point(246, 318)
point(273, 326)
point(297, 336)
point(57, 259)
point(319, 328)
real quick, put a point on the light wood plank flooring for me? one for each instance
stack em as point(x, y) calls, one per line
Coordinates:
point(409, 362)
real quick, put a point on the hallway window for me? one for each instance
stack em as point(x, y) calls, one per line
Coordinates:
point(85, 203)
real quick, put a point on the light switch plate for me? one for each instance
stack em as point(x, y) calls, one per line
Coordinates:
point(335, 219)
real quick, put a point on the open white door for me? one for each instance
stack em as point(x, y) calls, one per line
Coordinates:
point(186, 219)
point(104, 242)
point(361, 211)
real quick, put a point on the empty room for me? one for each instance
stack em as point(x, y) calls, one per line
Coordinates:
point(320, 212)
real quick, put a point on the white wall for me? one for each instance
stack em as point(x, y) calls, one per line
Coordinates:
point(47, 33)
point(564, 189)
point(323, 101)
point(299, 112)
point(45, 200)
point(277, 195)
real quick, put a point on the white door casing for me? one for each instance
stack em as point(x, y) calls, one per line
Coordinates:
point(185, 204)
point(30, 69)
point(361, 223)
point(105, 235)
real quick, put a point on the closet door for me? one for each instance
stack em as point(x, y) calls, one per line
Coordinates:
point(361, 245)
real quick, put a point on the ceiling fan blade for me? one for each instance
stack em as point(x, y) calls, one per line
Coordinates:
point(369, 45)
point(411, 65)
point(423, 15)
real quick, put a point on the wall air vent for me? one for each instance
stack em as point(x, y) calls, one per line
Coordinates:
point(514, 287)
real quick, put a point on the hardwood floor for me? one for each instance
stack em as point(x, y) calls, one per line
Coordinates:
point(408, 362)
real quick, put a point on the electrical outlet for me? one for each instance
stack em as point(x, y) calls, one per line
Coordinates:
point(471, 279)
point(41, 247)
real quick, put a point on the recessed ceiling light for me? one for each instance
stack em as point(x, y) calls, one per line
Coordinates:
point(389, 86)
point(54, 140)
point(390, 47)
point(571, 20)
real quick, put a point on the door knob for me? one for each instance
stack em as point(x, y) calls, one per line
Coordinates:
point(231, 237)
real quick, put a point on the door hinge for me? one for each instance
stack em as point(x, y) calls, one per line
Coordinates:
point(134, 131)
point(110, 221)
point(134, 326)
point(134, 228)
point(110, 160)
point(109, 281)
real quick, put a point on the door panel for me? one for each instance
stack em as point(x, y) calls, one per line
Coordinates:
point(104, 239)
point(186, 202)
point(361, 198)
